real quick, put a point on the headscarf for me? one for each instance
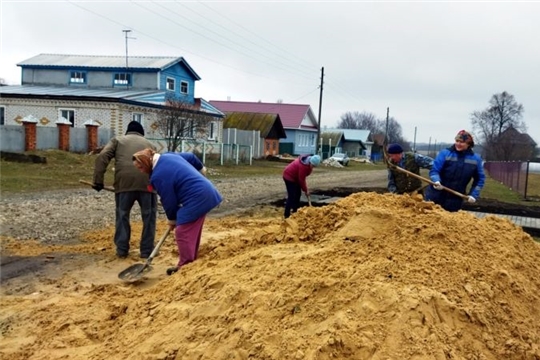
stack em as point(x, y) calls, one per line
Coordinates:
point(466, 137)
point(145, 158)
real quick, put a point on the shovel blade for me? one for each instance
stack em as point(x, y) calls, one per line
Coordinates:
point(134, 272)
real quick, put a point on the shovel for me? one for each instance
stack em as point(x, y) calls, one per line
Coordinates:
point(135, 271)
point(108, 188)
point(395, 167)
point(389, 164)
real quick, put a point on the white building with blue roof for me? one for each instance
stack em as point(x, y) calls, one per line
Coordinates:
point(110, 90)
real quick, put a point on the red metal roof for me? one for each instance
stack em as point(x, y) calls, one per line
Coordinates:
point(291, 115)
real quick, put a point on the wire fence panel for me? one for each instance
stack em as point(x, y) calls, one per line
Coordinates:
point(513, 174)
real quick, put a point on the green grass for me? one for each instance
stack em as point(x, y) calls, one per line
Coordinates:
point(63, 170)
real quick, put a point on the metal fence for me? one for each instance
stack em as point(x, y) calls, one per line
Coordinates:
point(238, 148)
point(513, 174)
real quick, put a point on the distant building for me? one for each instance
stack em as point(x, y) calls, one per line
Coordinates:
point(298, 121)
point(352, 142)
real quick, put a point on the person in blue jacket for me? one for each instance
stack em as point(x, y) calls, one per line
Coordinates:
point(454, 168)
point(186, 195)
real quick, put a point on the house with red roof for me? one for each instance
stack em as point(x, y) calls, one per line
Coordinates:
point(298, 120)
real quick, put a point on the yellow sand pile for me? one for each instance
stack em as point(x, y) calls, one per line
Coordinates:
point(369, 277)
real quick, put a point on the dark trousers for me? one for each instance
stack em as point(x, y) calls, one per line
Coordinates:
point(148, 204)
point(294, 192)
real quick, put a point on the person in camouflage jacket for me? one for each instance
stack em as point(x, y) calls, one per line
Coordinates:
point(399, 182)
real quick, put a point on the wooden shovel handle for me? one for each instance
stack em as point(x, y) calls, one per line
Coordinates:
point(108, 188)
point(395, 167)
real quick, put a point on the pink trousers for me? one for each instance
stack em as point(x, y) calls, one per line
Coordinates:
point(188, 239)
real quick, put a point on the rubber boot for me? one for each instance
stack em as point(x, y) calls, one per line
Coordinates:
point(172, 270)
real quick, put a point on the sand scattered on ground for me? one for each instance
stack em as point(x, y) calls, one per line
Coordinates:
point(368, 277)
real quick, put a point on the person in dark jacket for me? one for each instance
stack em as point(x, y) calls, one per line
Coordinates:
point(130, 186)
point(187, 196)
point(295, 175)
point(398, 181)
point(454, 168)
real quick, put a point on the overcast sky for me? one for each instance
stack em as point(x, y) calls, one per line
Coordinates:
point(432, 63)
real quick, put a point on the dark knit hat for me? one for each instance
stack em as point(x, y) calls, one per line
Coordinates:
point(394, 149)
point(134, 126)
point(466, 137)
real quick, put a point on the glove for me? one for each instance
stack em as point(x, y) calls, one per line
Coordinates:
point(470, 199)
point(437, 185)
point(97, 187)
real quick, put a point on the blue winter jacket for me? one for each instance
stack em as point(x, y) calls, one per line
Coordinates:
point(455, 169)
point(185, 193)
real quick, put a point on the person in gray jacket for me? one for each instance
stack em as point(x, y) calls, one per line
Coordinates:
point(130, 185)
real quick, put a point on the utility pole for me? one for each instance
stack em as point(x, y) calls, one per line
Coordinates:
point(126, 33)
point(318, 145)
point(386, 130)
point(414, 143)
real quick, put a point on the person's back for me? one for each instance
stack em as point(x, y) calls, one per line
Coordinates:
point(130, 186)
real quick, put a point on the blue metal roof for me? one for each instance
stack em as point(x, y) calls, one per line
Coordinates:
point(60, 61)
point(352, 134)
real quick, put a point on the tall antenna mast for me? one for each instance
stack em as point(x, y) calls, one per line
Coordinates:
point(126, 33)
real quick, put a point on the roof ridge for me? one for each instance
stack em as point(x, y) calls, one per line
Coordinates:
point(259, 102)
point(113, 56)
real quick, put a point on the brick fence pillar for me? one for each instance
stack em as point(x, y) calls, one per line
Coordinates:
point(92, 134)
point(63, 126)
point(30, 133)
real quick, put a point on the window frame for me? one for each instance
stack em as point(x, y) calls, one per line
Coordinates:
point(72, 121)
point(168, 81)
point(73, 77)
point(118, 79)
point(2, 115)
point(183, 84)
point(138, 117)
point(212, 130)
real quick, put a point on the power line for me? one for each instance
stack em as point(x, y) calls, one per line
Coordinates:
point(210, 38)
point(172, 45)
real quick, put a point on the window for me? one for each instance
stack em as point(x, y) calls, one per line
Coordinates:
point(170, 84)
point(78, 77)
point(122, 79)
point(67, 114)
point(2, 115)
point(138, 117)
point(184, 87)
point(212, 131)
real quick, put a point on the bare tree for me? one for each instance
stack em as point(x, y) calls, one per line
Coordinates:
point(361, 121)
point(180, 120)
point(394, 132)
point(503, 113)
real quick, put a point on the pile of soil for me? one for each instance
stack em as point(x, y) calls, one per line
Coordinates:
point(369, 277)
